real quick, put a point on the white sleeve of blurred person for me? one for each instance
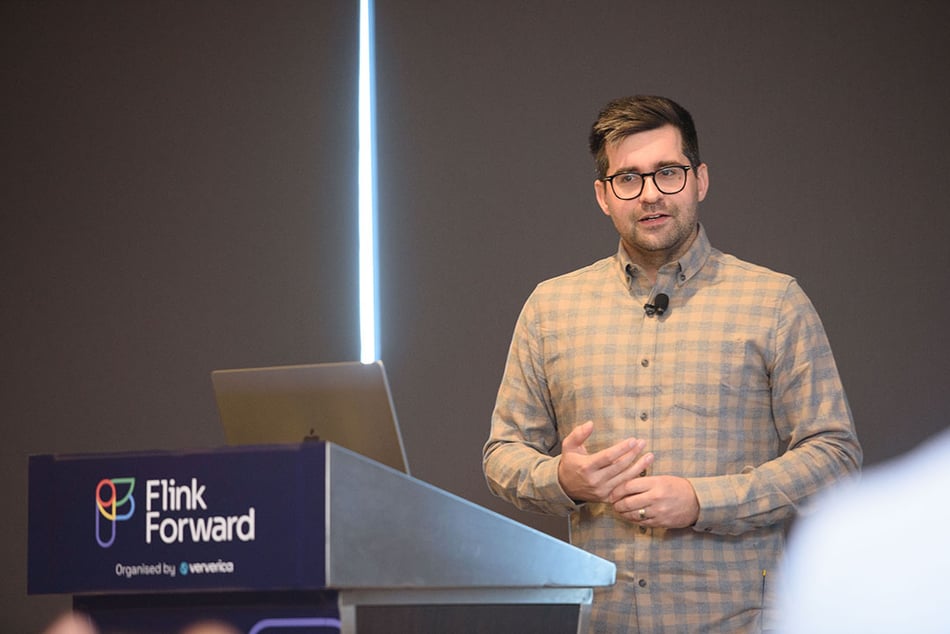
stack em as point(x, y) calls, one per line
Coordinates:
point(874, 557)
point(71, 623)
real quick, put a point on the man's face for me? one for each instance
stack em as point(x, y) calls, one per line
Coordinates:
point(655, 228)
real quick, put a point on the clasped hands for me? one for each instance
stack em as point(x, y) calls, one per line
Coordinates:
point(614, 476)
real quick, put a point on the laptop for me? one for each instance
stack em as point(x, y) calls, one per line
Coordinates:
point(348, 404)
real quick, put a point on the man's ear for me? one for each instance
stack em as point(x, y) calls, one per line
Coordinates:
point(702, 181)
point(600, 192)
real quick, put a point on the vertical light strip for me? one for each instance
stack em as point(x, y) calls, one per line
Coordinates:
point(369, 294)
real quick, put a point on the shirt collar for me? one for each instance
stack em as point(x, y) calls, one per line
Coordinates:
point(695, 258)
point(687, 266)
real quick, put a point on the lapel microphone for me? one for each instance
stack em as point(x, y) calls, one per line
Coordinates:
point(660, 303)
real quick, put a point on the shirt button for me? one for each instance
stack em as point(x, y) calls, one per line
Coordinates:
point(645, 363)
point(643, 530)
point(643, 583)
point(682, 277)
point(644, 416)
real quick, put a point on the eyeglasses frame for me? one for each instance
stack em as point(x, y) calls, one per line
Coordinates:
point(643, 177)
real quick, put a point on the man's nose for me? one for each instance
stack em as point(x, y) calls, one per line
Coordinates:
point(650, 192)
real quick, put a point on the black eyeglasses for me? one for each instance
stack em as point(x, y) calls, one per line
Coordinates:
point(670, 179)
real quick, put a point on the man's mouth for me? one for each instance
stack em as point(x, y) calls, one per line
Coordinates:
point(653, 218)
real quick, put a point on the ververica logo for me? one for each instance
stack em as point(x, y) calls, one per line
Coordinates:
point(114, 503)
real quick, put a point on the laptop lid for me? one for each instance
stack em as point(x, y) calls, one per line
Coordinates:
point(348, 404)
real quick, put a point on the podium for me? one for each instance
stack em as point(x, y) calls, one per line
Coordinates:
point(287, 539)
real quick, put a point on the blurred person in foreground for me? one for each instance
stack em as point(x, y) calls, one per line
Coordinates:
point(71, 623)
point(679, 404)
point(849, 569)
point(209, 626)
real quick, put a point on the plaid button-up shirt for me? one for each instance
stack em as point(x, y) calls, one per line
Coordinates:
point(734, 387)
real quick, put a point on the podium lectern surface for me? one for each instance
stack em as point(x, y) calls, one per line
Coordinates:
point(294, 519)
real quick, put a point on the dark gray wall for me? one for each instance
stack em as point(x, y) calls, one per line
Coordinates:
point(177, 196)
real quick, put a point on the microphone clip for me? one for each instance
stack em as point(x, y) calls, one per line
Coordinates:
point(659, 305)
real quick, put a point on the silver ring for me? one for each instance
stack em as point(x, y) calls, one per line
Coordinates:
point(642, 514)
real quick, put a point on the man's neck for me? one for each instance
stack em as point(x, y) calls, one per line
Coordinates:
point(650, 262)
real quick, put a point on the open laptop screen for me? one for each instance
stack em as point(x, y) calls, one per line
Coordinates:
point(348, 404)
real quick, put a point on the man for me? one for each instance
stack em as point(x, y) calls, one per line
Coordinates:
point(678, 403)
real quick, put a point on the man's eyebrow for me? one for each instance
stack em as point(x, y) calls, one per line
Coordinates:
point(656, 166)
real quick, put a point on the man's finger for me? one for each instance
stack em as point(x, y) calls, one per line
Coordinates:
point(629, 481)
point(618, 457)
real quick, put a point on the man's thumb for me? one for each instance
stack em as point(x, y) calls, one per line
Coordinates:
point(574, 441)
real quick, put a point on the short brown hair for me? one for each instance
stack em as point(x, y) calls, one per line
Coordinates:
point(628, 115)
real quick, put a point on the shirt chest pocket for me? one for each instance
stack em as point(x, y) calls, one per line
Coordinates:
point(724, 378)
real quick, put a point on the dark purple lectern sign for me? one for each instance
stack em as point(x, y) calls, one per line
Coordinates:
point(246, 518)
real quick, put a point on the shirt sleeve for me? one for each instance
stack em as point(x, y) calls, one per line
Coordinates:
point(518, 458)
point(812, 419)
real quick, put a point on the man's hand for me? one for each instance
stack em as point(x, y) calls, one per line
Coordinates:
point(657, 501)
point(592, 477)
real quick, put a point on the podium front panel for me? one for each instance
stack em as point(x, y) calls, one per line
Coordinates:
point(234, 518)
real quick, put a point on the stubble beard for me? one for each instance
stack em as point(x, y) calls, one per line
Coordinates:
point(672, 240)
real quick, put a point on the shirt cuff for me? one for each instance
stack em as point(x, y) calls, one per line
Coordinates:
point(717, 504)
point(552, 491)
